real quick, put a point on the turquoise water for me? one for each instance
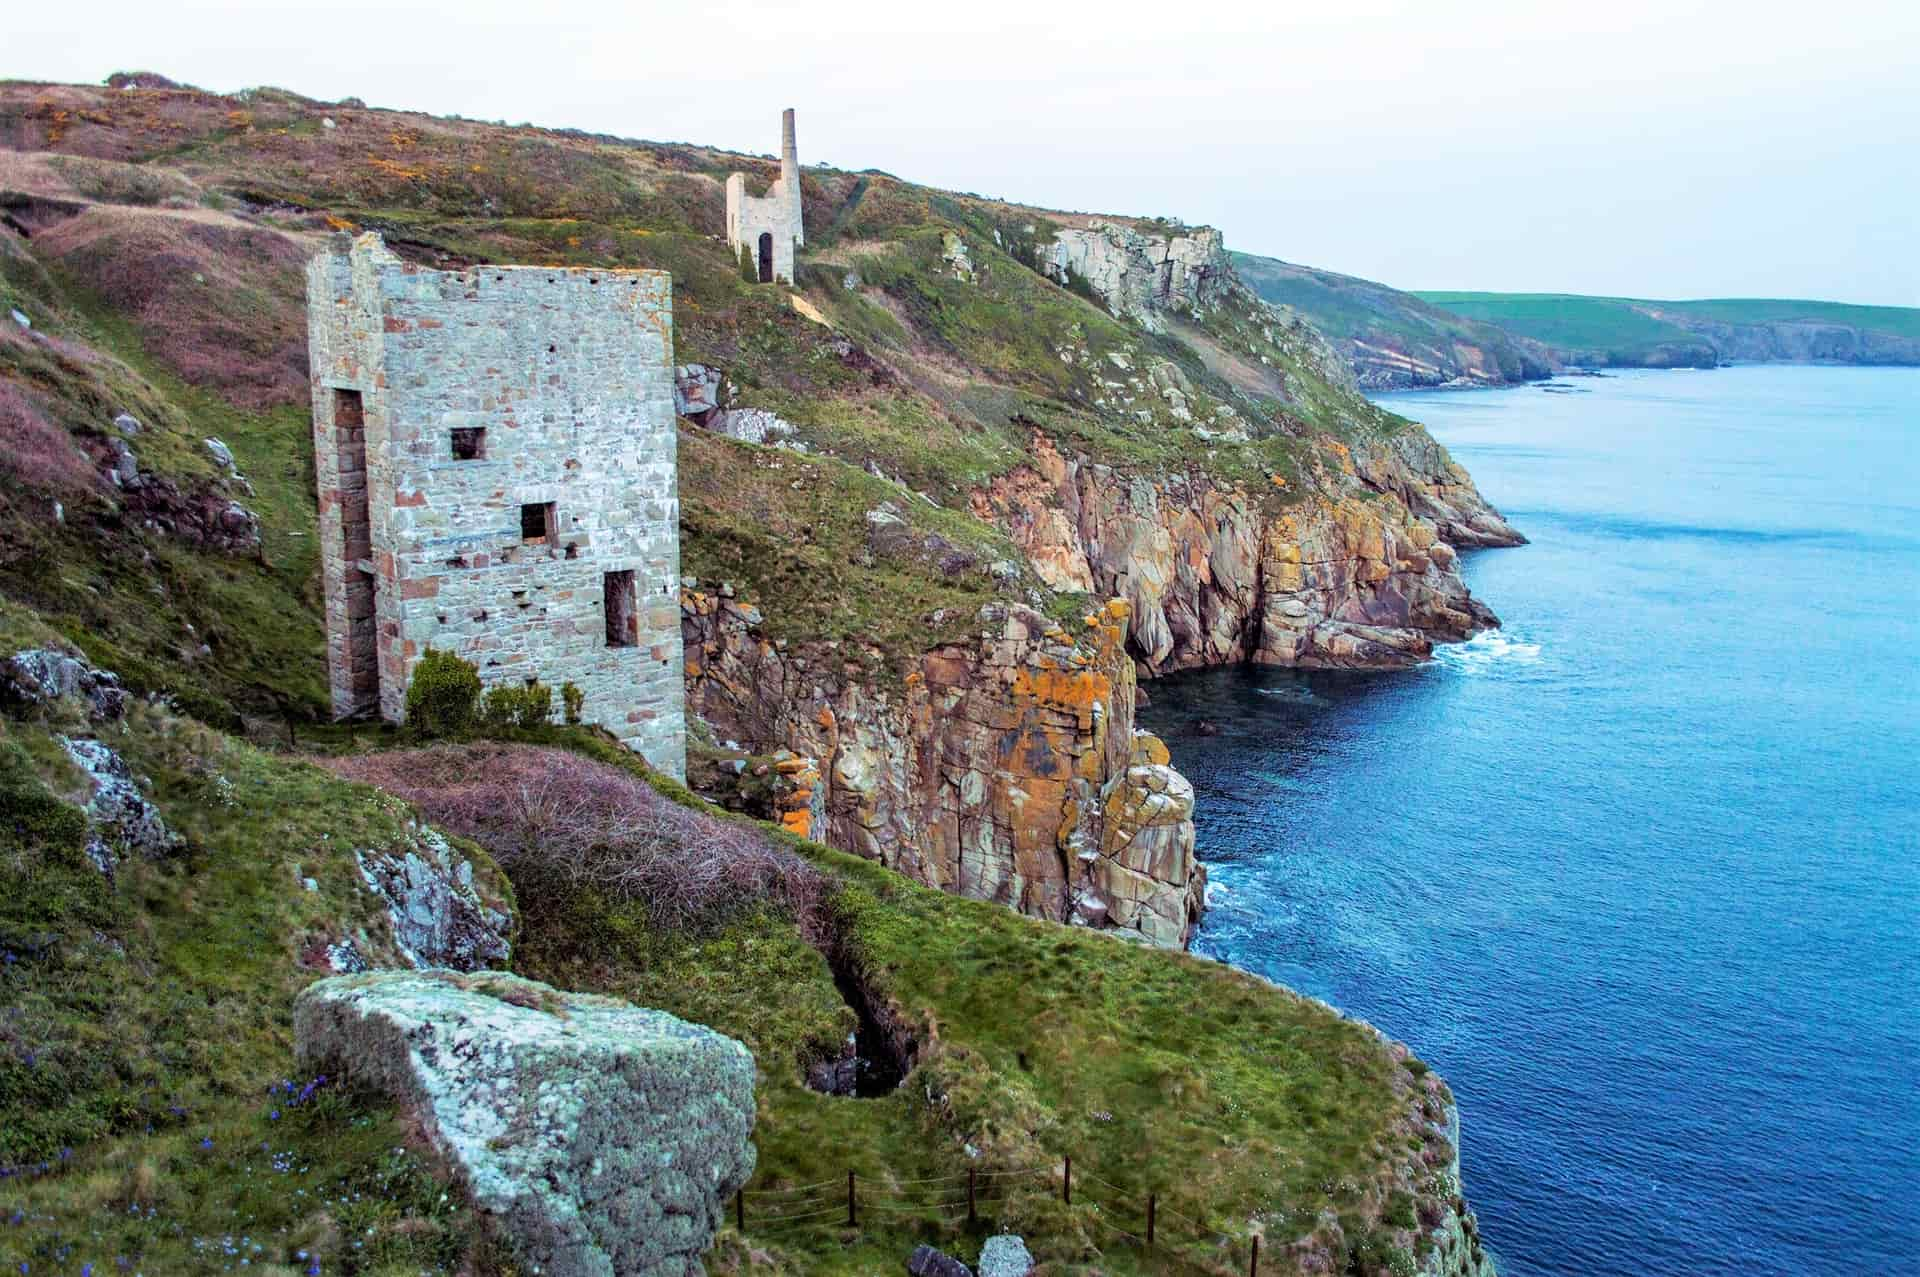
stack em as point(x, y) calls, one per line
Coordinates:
point(1640, 874)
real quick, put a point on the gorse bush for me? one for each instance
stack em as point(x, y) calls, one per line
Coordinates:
point(507, 706)
point(441, 695)
point(573, 698)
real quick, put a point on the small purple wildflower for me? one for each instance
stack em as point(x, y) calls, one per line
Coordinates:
point(206, 1142)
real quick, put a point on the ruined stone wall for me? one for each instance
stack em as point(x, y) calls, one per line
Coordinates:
point(777, 214)
point(559, 383)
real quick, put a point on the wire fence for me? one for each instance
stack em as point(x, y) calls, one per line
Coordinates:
point(1176, 1241)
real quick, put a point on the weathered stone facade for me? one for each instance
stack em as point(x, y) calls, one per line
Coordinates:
point(768, 227)
point(495, 454)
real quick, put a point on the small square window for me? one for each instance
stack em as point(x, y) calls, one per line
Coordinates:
point(470, 443)
point(349, 410)
point(622, 611)
point(537, 524)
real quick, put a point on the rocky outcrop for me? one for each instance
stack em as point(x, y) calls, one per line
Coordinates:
point(201, 515)
point(36, 677)
point(120, 820)
point(598, 1137)
point(1139, 275)
point(1218, 574)
point(438, 917)
point(1005, 768)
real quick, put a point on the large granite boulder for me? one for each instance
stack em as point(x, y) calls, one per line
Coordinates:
point(601, 1138)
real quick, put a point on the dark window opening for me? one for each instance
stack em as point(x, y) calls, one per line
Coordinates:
point(470, 443)
point(623, 622)
point(356, 537)
point(349, 410)
point(536, 523)
point(766, 257)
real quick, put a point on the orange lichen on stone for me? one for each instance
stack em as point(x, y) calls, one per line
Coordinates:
point(1067, 689)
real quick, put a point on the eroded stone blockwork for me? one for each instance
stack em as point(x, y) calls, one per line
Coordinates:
point(495, 452)
point(768, 226)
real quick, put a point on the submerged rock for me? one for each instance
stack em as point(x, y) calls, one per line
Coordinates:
point(600, 1138)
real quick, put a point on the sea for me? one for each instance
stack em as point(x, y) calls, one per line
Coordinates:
point(1639, 872)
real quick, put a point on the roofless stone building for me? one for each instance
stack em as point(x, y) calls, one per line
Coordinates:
point(768, 227)
point(495, 450)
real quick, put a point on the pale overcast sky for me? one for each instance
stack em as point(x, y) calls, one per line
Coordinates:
point(1655, 148)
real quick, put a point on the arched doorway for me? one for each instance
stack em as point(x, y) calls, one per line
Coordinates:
point(766, 257)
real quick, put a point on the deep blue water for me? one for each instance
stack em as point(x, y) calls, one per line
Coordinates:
point(1640, 874)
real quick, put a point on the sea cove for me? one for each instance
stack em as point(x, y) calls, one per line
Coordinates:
point(1639, 873)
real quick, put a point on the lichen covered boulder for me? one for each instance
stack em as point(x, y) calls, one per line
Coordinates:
point(600, 1137)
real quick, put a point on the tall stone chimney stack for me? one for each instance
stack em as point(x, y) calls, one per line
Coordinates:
point(790, 174)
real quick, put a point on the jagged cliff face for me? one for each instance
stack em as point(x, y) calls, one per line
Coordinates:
point(1217, 574)
point(1142, 275)
point(1006, 767)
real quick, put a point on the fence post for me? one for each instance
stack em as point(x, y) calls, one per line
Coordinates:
point(1066, 1185)
point(740, 1209)
point(1253, 1269)
point(851, 1221)
point(1150, 1205)
point(972, 1215)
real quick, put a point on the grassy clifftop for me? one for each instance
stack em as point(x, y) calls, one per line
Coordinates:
point(1631, 332)
point(149, 1111)
point(1396, 339)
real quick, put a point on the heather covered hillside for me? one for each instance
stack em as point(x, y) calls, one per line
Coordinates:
point(945, 502)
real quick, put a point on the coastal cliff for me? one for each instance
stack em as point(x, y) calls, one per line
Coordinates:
point(1007, 767)
point(944, 502)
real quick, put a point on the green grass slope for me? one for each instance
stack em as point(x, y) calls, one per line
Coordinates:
point(1578, 327)
point(150, 1112)
point(1395, 339)
point(1633, 332)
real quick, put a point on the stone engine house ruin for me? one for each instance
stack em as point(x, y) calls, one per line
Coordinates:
point(495, 450)
point(768, 227)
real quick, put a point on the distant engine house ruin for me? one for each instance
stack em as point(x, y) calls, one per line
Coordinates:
point(495, 450)
point(767, 228)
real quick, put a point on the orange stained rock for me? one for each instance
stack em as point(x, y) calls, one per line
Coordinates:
point(798, 821)
point(825, 716)
point(1070, 689)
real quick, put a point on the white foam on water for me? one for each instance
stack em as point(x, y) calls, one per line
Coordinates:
point(1486, 651)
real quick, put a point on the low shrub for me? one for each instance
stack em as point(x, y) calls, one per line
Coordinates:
point(574, 699)
point(441, 695)
point(507, 706)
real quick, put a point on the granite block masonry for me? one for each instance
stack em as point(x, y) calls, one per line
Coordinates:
point(495, 453)
point(768, 227)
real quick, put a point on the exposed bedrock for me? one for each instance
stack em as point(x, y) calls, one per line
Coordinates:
point(1006, 768)
point(1215, 576)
